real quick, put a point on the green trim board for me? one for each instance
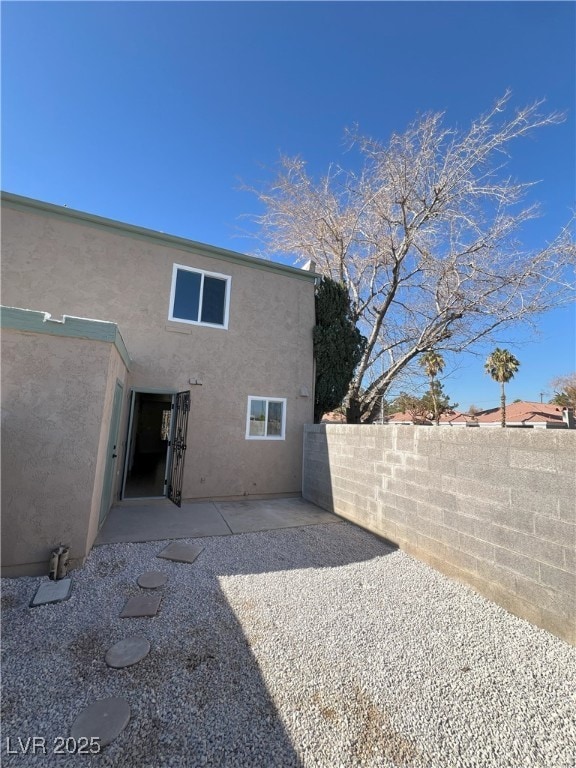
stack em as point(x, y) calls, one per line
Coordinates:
point(32, 321)
point(17, 202)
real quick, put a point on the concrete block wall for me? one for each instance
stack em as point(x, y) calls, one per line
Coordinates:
point(493, 508)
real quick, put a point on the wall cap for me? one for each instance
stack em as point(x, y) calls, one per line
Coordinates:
point(18, 202)
point(32, 321)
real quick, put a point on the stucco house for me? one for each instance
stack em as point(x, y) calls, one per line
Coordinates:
point(140, 365)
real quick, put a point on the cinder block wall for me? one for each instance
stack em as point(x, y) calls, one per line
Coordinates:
point(494, 508)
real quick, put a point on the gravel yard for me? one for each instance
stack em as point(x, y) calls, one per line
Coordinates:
point(313, 646)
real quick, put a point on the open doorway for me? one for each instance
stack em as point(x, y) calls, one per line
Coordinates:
point(147, 455)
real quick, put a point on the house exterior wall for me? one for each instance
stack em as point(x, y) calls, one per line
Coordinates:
point(54, 421)
point(117, 372)
point(495, 509)
point(65, 265)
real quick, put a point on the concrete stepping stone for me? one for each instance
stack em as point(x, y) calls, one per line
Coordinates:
point(181, 552)
point(52, 592)
point(141, 605)
point(152, 579)
point(127, 652)
point(104, 720)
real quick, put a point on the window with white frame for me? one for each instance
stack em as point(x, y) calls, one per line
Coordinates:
point(199, 297)
point(266, 418)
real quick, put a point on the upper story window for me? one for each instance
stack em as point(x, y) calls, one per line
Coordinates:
point(199, 297)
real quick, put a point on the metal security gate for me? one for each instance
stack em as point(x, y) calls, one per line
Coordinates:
point(181, 409)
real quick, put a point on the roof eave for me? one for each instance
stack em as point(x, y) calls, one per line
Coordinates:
point(18, 202)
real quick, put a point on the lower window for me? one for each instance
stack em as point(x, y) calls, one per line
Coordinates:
point(266, 418)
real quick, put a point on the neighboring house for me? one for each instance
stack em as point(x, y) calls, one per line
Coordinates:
point(402, 417)
point(521, 414)
point(140, 365)
point(456, 419)
point(450, 418)
point(526, 414)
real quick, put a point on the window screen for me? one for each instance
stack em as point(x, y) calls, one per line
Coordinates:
point(213, 300)
point(187, 295)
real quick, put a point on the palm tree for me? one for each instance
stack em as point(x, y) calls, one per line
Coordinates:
point(502, 365)
point(433, 364)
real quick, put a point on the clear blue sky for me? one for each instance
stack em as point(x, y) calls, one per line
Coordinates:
point(151, 113)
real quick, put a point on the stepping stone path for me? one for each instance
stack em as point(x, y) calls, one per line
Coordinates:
point(103, 720)
point(127, 652)
point(107, 718)
point(152, 579)
point(141, 605)
point(181, 553)
point(52, 592)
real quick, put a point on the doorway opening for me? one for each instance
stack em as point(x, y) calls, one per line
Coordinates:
point(148, 445)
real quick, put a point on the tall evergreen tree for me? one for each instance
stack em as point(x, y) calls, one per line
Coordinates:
point(338, 346)
point(502, 365)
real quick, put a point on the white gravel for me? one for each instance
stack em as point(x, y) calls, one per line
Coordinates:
point(314, 646)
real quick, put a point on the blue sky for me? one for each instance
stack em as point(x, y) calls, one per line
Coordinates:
point(152, 113)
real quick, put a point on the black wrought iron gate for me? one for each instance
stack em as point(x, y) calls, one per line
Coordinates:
point(181, 409)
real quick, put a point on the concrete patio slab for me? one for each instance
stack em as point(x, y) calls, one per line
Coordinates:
point(104, 720)
point(270, 514)
point(141, 605)
point(181, 553)
point(160, 520)
point(52, 592)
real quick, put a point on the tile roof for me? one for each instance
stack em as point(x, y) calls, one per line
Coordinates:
point(334, 417)
point(450, 417)
point(402, 418)
point(524, 412)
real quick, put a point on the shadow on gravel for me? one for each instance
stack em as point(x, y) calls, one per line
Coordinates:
point(199, 697)
point(330, 546)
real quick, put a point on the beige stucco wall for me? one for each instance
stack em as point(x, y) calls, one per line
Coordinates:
point(54, 422)
point(77, 269)
point(116, 372)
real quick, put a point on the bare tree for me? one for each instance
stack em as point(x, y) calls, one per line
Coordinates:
point(473, 412)
point(565, 390)
point(424, 235)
